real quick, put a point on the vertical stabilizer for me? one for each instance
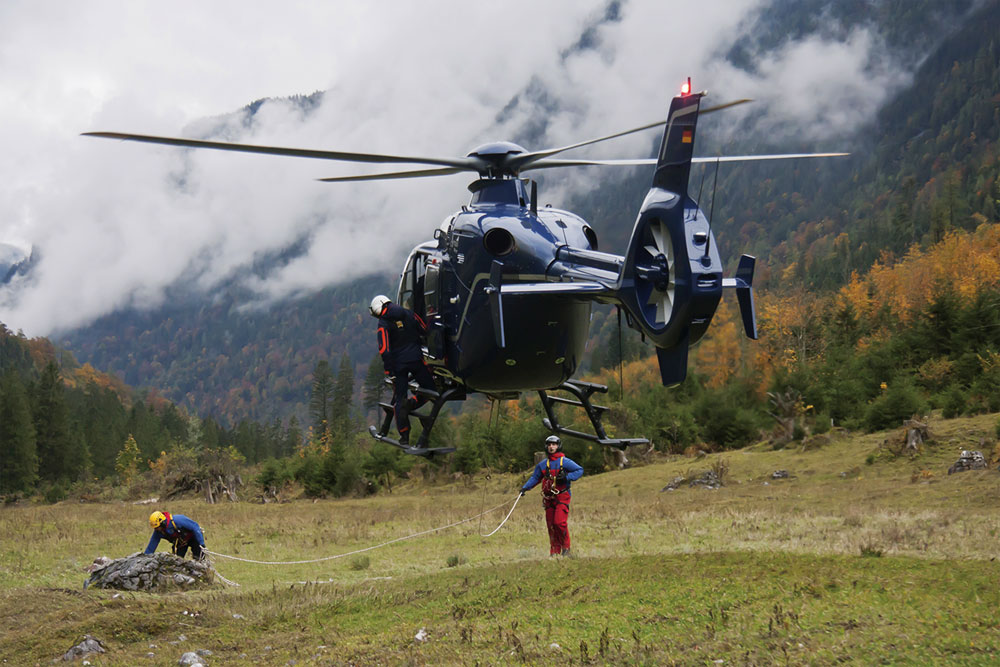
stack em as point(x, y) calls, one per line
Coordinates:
point(673, 164)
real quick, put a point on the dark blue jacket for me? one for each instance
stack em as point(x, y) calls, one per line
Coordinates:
point(400, 338)
point(551, 463)
point(179, 527)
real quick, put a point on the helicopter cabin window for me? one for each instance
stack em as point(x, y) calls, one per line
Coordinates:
point(411, 288)
point(431, 292)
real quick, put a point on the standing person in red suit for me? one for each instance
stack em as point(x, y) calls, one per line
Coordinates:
point(401, 333)
point(555, 472)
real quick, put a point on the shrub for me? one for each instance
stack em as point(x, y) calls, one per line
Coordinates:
point(724, 424)
point(55, 493)
point(348, 477)
point(821, 424)
point(678, 430)
point(275, 473)
point(899, 402)
point(360, 563)
point(953, 403)
point(870, 550)
point(456, 559)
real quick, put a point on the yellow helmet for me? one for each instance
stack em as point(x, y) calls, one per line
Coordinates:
point(156, 519)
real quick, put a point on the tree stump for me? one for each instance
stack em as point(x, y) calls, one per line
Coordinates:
point(917, 433)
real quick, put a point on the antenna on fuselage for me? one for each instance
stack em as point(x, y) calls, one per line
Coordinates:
point(711, 210)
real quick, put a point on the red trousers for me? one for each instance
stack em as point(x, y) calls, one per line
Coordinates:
point(557, 520)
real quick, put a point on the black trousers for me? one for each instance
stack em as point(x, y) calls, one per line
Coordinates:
point(401, 402)
point(182, 549)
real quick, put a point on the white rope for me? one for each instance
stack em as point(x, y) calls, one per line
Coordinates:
point(352, 553)
point(516, 500)
point(219, 576)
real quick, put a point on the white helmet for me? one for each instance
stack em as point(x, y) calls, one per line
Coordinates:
point(378, 305)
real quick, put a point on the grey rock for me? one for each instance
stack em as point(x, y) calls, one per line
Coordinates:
point(967, 460)
point(779, 474)
point(708, 479)
point(674, 484)
point(190, 659)
point(151, 572)
point(88, 646)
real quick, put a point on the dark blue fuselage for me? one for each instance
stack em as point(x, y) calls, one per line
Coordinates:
point(545, 335)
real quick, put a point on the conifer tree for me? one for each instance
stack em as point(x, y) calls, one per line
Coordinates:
point(374, 385)
point(319, 401)
point(343, 394)
point(19, 471)
point(127, 461)
point(293, 438)
point(58, 457)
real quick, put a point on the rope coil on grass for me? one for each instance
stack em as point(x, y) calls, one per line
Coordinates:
point(358, 551)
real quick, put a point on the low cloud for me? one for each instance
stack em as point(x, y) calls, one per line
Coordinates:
point(118, 223)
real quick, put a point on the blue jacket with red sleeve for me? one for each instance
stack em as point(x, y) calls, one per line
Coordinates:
point(178, 529)
point(400, 337)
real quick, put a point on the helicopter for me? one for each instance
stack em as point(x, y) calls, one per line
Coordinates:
point(506, 288)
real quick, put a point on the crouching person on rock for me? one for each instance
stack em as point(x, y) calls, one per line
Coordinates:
point(180, 531)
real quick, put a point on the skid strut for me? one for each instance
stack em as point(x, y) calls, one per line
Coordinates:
point(426, 421)
point(583, 391)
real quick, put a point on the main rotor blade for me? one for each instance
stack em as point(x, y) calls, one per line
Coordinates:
point(419, 173)
point(750, 158)
point(549, 164)
point(519, 161)
point(469, 164)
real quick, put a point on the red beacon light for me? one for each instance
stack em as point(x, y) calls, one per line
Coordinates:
point(686, 87)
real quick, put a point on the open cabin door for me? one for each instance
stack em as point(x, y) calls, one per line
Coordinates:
point(420, 291)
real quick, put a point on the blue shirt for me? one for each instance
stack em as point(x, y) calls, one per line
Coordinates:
point(179, 527)
point(572, 469)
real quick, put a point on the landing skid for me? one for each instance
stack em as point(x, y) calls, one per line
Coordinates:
point(438, 401)
point(426, 452)
point(583, 391)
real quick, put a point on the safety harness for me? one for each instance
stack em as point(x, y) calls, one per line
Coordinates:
point(181, 539)
point(549, 489)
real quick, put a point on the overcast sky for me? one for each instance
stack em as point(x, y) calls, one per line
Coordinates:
point(116, 223)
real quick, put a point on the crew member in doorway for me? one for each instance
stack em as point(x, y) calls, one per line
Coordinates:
point(180, 531)
point(401, 333)
point(555, 473)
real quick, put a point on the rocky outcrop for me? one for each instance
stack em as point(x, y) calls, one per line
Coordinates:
point(151, 572)
point(708, 479)
point(968, 461)
point(89, 646)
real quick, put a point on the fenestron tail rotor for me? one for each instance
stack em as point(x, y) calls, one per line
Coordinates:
point(662, 280)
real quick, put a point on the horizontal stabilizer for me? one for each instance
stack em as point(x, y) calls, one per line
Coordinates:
point(586, 289)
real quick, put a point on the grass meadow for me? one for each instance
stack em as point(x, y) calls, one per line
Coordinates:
point(857, 558)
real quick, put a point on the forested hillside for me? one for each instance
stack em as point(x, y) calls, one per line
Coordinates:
point(66, 427)
point(236, 363)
